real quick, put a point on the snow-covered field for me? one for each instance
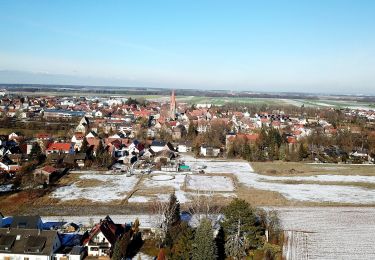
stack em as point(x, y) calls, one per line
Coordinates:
point(210, 183)
point(156, 187)
point(328, 233)
point(112, 187)
point(301, 192)
point(159, 184)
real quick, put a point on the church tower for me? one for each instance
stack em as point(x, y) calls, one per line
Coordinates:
point(172, 109)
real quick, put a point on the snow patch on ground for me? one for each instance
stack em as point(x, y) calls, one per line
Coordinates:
point(210, 183)
point(328, 233)
point(175, 182)
point(162, 177)
point(158, 185)
point(302, 192)
point(139, 199)
point(6, 188)
point(114, 187)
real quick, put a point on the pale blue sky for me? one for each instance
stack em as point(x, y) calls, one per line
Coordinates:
point(310, 46)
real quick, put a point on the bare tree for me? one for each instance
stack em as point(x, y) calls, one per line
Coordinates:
point(202, 205)
point(166, 214)
point(158, 219)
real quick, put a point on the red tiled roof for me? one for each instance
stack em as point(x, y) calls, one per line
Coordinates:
point(43, 136)
point(49, 169)
point(249, 137)
point(172, 123)
point(59, 146)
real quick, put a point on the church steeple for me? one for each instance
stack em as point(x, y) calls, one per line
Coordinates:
point(172, 109)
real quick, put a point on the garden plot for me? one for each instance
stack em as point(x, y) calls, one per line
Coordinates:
point(157, 187)
point(107, 187)
point(209, 183)
point(163, 183)
point(328, 233)
point(302, 192)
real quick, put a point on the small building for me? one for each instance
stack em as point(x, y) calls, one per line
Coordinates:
point(44, 174)
point(75, 160)
point(171, 167)
point(157, 146)
point(184, 147)
point(60, 148)
point(208, 151)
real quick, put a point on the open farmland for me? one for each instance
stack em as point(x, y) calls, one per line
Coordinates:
point(335, 103)
point(290, 169)
point(328, 233)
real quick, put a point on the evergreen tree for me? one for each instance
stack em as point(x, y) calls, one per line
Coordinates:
point(171, 220)
point(247, 152)
point(173, 210)
point(220, 244)
point(302, 152)
point(182, 247)
point(84, 146)
point(116, 251)
point(282, 153)
point(231, 152)
point(192, 131)
point(36, 151)
point(274, 226)
point(235, 246)
point(241, 224)
point(121, 246)
point(204, 243)
point(103, 157)
point(100, 150)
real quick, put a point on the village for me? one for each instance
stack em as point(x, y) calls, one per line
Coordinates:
point(80, 156)
point(128, 129)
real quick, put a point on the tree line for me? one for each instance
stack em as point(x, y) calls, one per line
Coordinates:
point(243, 231)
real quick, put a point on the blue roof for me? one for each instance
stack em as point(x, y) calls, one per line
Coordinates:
point(7, 221)
point(70, 239)
point(157, 143)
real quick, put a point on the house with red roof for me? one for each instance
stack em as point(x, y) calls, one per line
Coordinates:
point(44, 174)
point(43, 136)
point(59, 148)
point(102, 237)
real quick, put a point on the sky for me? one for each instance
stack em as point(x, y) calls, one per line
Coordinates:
point(325, 46)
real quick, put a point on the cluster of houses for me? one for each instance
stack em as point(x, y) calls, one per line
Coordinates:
point(28, 237)
point(126, 124)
